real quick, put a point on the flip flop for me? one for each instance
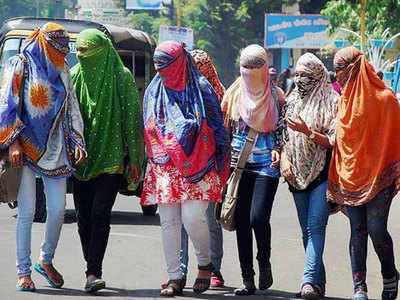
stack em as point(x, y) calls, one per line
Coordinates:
point(22, 288)
point(42, 272)
point(95, 285)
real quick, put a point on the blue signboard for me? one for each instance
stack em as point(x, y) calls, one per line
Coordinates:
point(296, 31)
point(143, 4)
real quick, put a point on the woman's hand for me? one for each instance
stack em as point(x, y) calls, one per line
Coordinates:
point(135, 173)
point(79, 155)
point(298, 125)
point(275, 157)
point(286, 167)
point(15, 154)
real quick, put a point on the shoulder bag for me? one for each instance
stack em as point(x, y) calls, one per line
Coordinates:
point(225, 211)
point(10, 178)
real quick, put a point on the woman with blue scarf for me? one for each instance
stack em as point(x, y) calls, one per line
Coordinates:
point(189, 154)
point(42, 127)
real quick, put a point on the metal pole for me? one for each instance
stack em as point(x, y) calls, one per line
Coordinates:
point(37, 8)
point(178, 12)
point(363, 8)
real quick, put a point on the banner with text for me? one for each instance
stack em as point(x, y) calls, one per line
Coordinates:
point(178, 34)
point(143, 4)
point(296, 31)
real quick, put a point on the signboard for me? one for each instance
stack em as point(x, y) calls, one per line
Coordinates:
point(105, 16)
point(143, 4)
point(296, 31)
point(178, 34)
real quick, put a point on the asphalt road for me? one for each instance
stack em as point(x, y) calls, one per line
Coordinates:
point(134, 263)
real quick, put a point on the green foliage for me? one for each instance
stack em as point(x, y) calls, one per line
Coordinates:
point(380, 15)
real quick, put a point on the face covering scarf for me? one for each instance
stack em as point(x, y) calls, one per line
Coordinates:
point(182, 117)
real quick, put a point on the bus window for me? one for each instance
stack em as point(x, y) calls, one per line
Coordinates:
point(10, 48)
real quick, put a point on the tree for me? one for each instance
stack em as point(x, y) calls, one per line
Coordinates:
point(16, 8)
point(380, 15)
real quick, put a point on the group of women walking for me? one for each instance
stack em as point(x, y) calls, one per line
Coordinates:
point(337, 153)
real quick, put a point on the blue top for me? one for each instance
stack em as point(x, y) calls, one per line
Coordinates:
point(259, 160)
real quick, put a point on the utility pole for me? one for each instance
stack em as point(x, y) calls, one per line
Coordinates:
point(178, 12)
point(37, 8)
point(363, 8)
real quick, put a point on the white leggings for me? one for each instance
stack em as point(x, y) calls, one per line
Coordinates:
point(193, 216)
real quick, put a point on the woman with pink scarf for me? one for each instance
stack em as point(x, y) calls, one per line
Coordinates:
point(253, 102)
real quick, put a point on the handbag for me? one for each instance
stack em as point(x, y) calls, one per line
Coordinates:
point(225, 211)
point(10, 177)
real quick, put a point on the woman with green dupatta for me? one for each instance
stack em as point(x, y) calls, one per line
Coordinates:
point(110, 109)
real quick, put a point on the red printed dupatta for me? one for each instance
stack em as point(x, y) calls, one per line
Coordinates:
point(182, 117)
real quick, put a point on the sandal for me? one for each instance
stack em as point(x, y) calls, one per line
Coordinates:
point(95, 285)
point(248, 289)
point(27, 284)
point(50, 276)
point(216, 279)
point(203, 284)
point(174, 288)
point(165, 283)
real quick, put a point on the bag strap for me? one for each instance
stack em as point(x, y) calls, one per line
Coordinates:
point(246, 150)
point(22, 88)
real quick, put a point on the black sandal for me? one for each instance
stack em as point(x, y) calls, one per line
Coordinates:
point(174, 288)
point(249, 288)
point(203, 284)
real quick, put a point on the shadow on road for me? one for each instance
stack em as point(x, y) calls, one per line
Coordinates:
point(120, 218)
point(133, 218)
point(221, 293)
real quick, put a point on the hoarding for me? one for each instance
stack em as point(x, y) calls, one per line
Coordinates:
point(178, 34)
point(143, 4)
point(296, 31)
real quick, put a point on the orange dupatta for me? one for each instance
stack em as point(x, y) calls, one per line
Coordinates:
point(366, 156)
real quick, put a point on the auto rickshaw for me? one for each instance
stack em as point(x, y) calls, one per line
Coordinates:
point(135, 48)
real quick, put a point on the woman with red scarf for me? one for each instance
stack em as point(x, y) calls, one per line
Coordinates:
point(189, 153)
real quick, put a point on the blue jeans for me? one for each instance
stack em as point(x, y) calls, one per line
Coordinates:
point(55, 190)
point(216, 242)
point(313, 213)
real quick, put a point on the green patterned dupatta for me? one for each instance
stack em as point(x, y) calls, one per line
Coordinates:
point(109, 105)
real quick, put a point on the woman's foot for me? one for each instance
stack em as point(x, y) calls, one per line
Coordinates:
point(25, 284)
point(248, 289)
point(216, 279)
point(309, 292)
point(203, 279)
point(390, 288)
point(265, 280)
point(173, 288)
point(94, 284)
point(49, 272)
point(183, 283)
point(360, 294)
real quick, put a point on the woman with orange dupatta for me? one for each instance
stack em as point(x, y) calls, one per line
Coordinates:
point(364, 174)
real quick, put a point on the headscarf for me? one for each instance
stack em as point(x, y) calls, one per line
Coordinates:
point(250, 96)
point(182, 117)
point(49, 105)
point(207, 69)
point(110, 107)
point(366, 156)
point(315, 102)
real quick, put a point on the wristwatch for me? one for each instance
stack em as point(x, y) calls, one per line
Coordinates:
point(312, 135)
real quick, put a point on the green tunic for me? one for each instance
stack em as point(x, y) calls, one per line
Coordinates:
point(109, 105)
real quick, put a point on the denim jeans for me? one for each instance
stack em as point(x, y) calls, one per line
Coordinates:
point(371, 219)
point(93, 201)
point(55, 190)
point(313, 213)
point(253, 212)
point(216, 242)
